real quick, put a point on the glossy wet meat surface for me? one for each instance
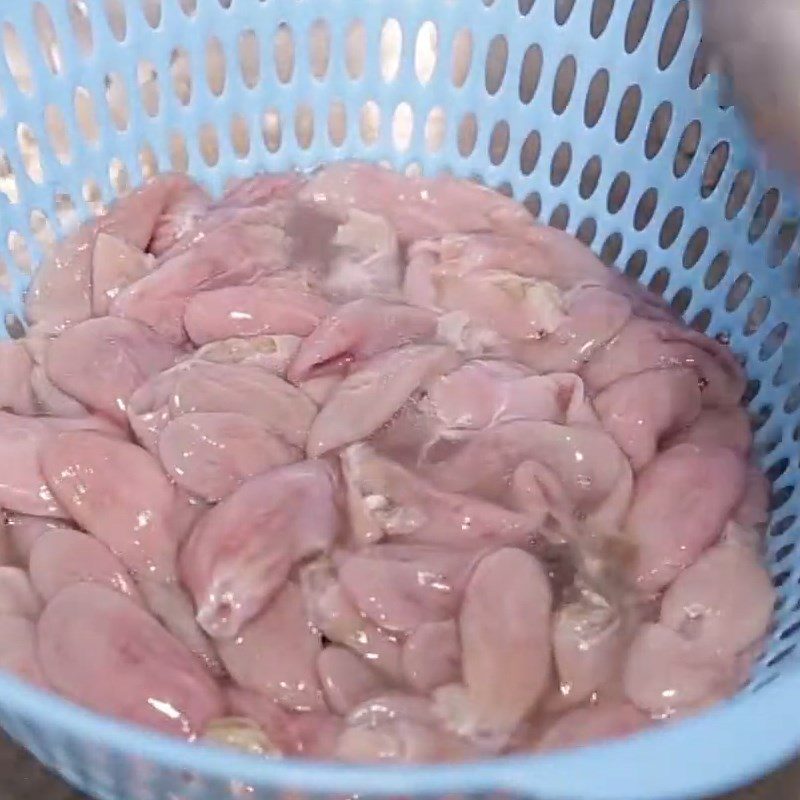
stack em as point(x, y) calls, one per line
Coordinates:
point(370, 467)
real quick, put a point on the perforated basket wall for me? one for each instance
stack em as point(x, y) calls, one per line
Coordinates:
point(598, 114)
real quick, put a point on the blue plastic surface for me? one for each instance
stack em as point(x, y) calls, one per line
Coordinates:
point(597, 113)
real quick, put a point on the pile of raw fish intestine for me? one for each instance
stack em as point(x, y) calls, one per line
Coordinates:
point(367, 466)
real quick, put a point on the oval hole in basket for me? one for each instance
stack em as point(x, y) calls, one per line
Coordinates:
point(714, 169)
point(147, 80)
point(681, 301)
point(560, 164)
point(249, 58)
point(628, 112)
point(773, 341)
point(601, 14)
point(636, 264)
point(355, 49)
point(8, 181)
point(93, 196)
point(48, 38)
point(587, 231)
point(596, 97)
point(533, 202)
point(560, 217)
point(759, 311)
point(283, 53)
point(496, 63)
point(370, 122)
point(590, 177)
point(782, 242)
point(209, 144)
point(563, 10)
point(498, 142)
point(461, 57)
point(618, 192)
point(337, 123)
point(763, 214)
point(529, 152)
point(31, 153)
point(781, 526)
point(240, 135)
point(391, 49)
point(699, 70)
point(737, 197)
point(467, 134)
point(426, 52)
point(660, 281)
point(319, 48)
point(180, 70)
point(687, 148)
point(701, 320)
point(216, 68)
point(304, 126)
point(178, 154)
point(645, 209)
point(435, 129)
point(84, 112)
point(148, 163)
point(20, 253)
point(402, 127)
point(738, 291)
point(13, 324)
point(638, 20)
point(152, 12)
point(658, 130)
point(42, 229)
point(118, 177)
point(117, 100)
point(78, 14)
point(525, 6)
point(564, 84)
point(695, 247)
point(530, 73)
point(674, 32)
point(116, 18)
point(612, 247)
point(671, 228)
point(57, 132)
point(17, 59)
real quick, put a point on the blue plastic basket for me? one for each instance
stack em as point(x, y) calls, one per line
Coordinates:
point(597, 113)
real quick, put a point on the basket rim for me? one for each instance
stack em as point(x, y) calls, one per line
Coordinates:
point(726, 747)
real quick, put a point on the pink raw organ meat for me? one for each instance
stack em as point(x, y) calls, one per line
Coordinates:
point(251, 311)
point(505, 635)
point(16, 393)
point(210, 454)
point(371, 395)
point(346, 679)
point(157, 213)
point(19, 651)
point(135, 517)
point(89, 632)
point(63, 557)
point(680, 506)
point(101, 362)
point(276, 653)
point(359, 330)
point(24, 487)
point(240, 552)
point(235, 247)
point(115, 265)
point(363, 466)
